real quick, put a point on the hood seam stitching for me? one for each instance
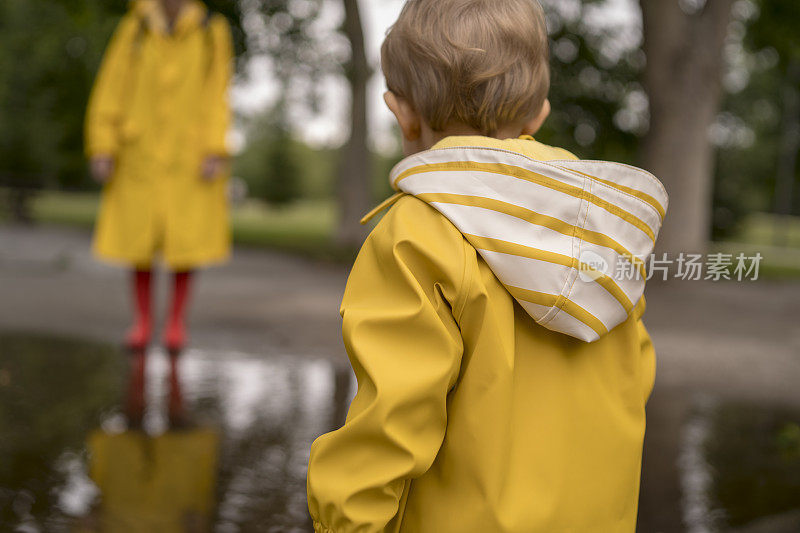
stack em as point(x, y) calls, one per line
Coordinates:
point(466, 276)
point(572, 272)
point(550, 163)
point(576, 257)
point(651, 177)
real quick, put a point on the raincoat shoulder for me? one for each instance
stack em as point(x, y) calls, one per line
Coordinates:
point(412, 230)
point(106, 108)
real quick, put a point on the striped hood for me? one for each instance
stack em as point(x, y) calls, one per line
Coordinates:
point(567, 238)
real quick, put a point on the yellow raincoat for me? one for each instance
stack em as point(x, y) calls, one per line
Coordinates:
point(470, 416)
point(153, 484)
point(159, 107)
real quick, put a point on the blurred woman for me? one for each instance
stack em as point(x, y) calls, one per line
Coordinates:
point(155, 136)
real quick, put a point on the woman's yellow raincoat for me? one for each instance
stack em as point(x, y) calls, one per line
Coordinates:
point(159, 107)
point(502, 380)
point(150, 484)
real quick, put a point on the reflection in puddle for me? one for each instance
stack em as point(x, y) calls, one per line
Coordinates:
point(234, 461)
point(235, 458)
point(740, 468)
point(152, 483)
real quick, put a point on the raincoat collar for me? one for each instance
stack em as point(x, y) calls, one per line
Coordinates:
point(567, 238)
point(191, 16)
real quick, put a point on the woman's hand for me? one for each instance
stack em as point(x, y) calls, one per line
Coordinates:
point(101, 168)
point(213, 166)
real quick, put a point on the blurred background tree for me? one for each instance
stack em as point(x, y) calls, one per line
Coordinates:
point(758, 163)
point(599, 105)
point(683, 43)
point(269, 164)
point(44, 88)
point(49, 53)
point(287, 32)
point(731, 156)
point(737, 55)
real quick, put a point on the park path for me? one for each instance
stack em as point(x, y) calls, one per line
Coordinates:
point(261, 302)
point(738, 336)
point(727, 340)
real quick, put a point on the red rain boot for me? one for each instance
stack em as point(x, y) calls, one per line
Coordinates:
point(175, 333)
point(138, 336)
point(175, 409)
point(135, 402)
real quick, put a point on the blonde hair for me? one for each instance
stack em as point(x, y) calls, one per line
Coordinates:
point(479, 63)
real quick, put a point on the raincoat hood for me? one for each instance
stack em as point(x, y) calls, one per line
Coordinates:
point(567, 238)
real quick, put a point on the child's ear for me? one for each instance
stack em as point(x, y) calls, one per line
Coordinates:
point(407, 117)
point(533, 125)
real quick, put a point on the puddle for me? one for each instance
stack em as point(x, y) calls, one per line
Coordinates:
point(740, 468)
point(234, 460)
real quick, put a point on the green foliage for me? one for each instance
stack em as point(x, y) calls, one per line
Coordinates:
point(278, 168)
point(594, 85)
point(278, 183)
point(753, 116)
point(49, 53)
point(304, 227)
point(232, 10)
point(49, 50)
point(745, 176)
point(600, 108)
point(776, 27)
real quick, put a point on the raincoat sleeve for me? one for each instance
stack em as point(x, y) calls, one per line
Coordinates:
point(648, 352)
point(105, 110)
point(220, 71)
point(400, 331)
point(648, 359)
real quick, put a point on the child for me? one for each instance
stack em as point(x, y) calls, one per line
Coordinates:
point(155, 136)
point(502, 363)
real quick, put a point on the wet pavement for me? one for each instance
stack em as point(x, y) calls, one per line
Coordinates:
point(97, 440)
point(267, 373)
point(87, 448)
point(261, 302)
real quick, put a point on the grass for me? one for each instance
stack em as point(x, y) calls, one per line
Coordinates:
point(765, 228)
point(69, 209)
point(776, 262)
point(776, 238)
point(307, 227)
point(304, 227)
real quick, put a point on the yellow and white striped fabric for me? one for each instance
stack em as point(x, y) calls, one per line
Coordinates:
point(568, 239)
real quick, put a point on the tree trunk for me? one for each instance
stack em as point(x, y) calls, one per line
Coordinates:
point(683, 80)
point(355, 190)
